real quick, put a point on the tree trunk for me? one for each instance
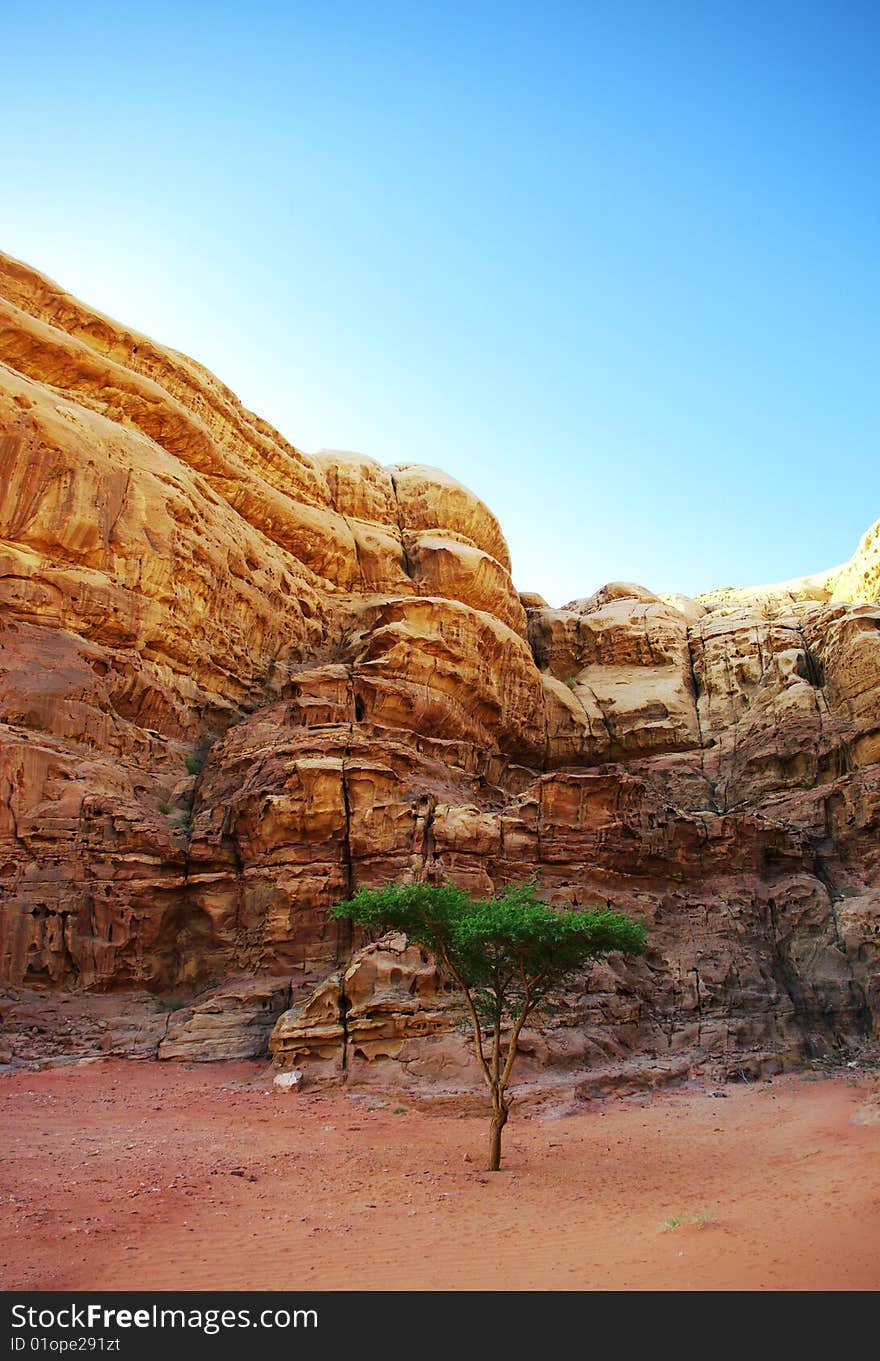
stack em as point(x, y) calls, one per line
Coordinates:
point(499, 1120)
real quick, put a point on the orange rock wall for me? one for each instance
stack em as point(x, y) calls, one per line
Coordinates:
point(236, 681)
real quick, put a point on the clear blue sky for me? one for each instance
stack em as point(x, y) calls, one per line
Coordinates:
point(614, 265)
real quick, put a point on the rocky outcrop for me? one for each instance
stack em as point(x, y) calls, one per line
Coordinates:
point(237, 681)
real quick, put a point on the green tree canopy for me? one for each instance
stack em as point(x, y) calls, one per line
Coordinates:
point(507, 954)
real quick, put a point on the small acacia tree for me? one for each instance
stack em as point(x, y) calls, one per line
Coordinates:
point(507, 955)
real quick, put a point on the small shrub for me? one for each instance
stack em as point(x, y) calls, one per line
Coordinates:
point(701, 1220)
point(194, 764)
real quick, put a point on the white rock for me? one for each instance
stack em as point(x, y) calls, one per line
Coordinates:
point(288, 1082)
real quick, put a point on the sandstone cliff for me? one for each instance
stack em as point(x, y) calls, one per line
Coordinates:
point(236, 681)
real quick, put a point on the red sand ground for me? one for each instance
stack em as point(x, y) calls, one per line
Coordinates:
point(126, 1175)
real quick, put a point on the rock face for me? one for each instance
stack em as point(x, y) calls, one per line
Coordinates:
point(237, 681)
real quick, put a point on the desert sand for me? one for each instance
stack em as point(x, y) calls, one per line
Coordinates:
point(128, 1175)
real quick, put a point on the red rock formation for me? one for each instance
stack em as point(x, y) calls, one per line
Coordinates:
point(236, 681)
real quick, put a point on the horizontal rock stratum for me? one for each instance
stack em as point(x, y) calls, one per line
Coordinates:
point(237, 681)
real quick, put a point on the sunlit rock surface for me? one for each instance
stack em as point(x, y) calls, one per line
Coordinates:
point(237, 681)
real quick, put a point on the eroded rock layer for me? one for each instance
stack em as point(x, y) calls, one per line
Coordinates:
point(237, 681)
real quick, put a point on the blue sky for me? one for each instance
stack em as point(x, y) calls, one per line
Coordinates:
point(614, 265)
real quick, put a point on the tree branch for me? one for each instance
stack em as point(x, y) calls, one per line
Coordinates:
point(526, 1007)
point(475, 1020)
